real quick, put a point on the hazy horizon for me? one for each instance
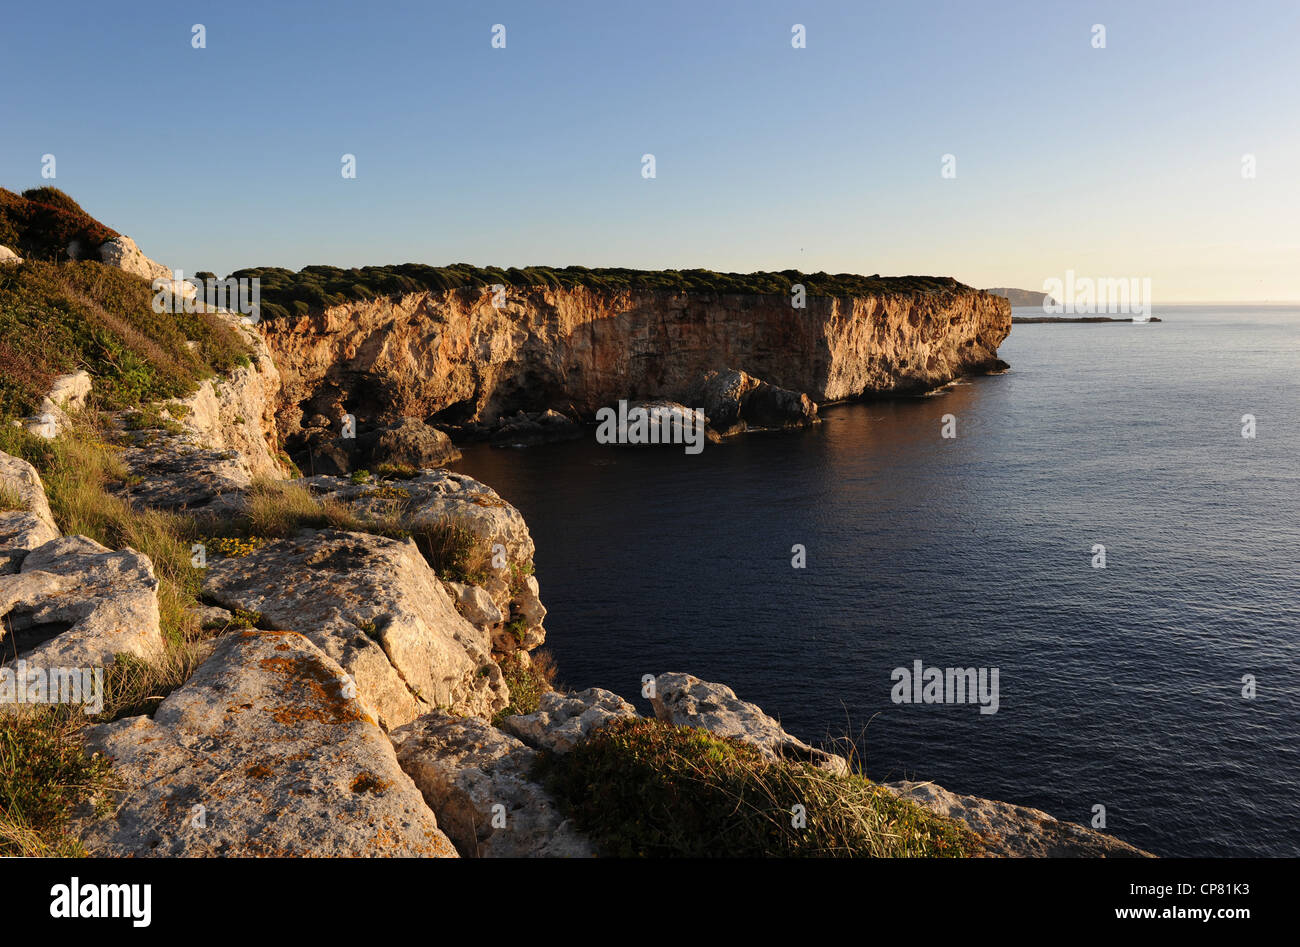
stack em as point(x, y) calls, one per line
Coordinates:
point(1122, 162)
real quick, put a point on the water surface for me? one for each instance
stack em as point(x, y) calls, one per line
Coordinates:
point(1118, 687)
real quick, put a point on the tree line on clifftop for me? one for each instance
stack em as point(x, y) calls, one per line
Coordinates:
point(285, 292)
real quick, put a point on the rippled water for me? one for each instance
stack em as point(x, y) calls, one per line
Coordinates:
point(1118, 686)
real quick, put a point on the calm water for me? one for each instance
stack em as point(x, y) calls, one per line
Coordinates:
point(1119, 687)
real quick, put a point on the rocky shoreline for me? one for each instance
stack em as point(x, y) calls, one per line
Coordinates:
point(353, 699)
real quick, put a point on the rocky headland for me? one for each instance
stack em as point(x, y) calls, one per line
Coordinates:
point(350, 661)
point(539, 364)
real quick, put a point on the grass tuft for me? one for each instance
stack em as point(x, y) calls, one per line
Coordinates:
point(646, 788)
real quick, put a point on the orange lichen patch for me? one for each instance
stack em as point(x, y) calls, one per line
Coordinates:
point(278, 665)
point(282, 647)
point(369, 782)
point(258, 771)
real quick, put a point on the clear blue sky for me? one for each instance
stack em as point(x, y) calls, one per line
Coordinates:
point(1115, 162)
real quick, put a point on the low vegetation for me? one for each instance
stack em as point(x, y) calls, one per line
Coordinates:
point(45, 776)
point(644, 788)
point(57, 318)
point(286, 293)
point(528, 679)
point(44, 222)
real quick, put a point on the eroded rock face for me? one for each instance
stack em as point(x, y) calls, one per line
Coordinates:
point(77, 604)
point(219, 439)
point(736, 402)
point(1017, 831)
point(30, 526)
point(237, 412)
point(373, 605)
point(685, 700)
point(562, 721)
point(455, 357)
point(261, 753)
point(466, 768)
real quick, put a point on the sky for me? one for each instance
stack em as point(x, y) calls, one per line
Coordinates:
point(1117, 162)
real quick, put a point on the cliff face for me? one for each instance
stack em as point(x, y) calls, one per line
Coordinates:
point(455, 356)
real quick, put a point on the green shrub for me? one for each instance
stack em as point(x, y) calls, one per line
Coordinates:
point(54, 198)
point(527, 681)
point(646, 788)
point(44, 222)
point(44, 775)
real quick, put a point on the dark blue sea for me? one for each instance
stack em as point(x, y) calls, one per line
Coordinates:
point(1120, 687)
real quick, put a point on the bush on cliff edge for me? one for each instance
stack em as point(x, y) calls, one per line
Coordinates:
point(644, 788)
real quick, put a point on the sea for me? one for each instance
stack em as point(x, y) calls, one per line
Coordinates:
point(1113, 526)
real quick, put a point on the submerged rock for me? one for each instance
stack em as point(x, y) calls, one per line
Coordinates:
point(373, 605)
point(261, 753)
point(685, 700)
point(479, 782)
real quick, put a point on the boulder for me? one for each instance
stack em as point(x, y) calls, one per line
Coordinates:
point(528, 430)
point(436, 496)
point(475, 604)
point(260, 753)
point(735, 402)
point(70, 391)
point(29, 526)
point(178, 473)
point(77, 604)
point(123, 253)
point(1016, 831)
point(472, 775)
point(562, 721)
point(412, 443)
point(373, 605)
point(685, 700)
point(8, 257)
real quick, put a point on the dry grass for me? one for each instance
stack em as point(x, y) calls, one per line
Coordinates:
point(647, 788)
point(10, 499)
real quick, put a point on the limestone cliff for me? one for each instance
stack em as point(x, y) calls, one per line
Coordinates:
point(455, 357)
